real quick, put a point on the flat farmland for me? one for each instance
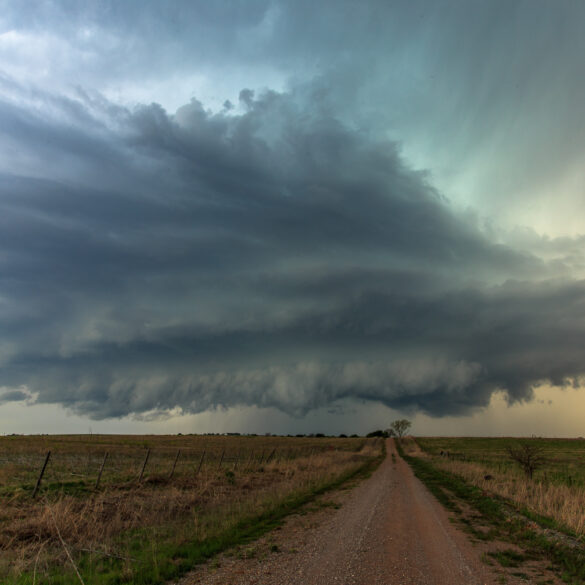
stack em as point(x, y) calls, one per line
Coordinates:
point(145, 509)
point(557, 490)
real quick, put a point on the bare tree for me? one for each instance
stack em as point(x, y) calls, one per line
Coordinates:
point(400, 427)
point(529, 455)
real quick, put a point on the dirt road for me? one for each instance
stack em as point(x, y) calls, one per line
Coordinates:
point(388, 531)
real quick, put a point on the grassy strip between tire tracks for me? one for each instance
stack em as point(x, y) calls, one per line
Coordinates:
point(567, 560)
point(166, 561)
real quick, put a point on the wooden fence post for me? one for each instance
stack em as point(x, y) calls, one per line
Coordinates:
point(144, 465)
point(200, 462)
point(41, 474)
point(270, 456)
point(175, 464)
point(97, 481)
point(221, 460)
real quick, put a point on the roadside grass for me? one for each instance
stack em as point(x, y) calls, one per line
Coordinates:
point(557, 490)
point(156, 531)
point(508, 557)
point(564, 465)
point(506, 520)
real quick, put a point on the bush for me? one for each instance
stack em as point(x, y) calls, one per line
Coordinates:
point(528, 455)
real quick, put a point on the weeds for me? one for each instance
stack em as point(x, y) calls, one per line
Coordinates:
point(556, 492)
point(156, 530)
point(508, 558)
point(505, 520)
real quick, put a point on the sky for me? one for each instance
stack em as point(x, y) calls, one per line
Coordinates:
point(292, 217)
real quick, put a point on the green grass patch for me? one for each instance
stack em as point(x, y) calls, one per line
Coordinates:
point(564, 457)
point(508, 558)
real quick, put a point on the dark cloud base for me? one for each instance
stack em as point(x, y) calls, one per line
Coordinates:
point(272, 257)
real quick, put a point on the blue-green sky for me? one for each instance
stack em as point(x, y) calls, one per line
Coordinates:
point(292, 216)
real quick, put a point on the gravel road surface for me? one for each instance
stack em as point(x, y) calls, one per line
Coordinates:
point(389, 530)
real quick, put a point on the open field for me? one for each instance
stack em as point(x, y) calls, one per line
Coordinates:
point(557, 490)
point(197, 495)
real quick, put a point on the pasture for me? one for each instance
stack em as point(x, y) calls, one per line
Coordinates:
point(144, 509)
point(557, 490)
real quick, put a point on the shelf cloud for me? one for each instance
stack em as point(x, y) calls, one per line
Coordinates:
point(272, 257)
point(290, 244)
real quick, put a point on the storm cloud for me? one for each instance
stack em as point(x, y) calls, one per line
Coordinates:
point(279, 251)
point(272, 257)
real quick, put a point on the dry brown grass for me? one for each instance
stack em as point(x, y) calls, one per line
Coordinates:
point(566, 504)
point(410, 447)
point(196, 506)
point(79, 457)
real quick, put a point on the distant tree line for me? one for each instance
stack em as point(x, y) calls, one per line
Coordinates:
point(398, 428)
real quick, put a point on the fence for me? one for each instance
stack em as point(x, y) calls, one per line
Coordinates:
point(94, 468)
